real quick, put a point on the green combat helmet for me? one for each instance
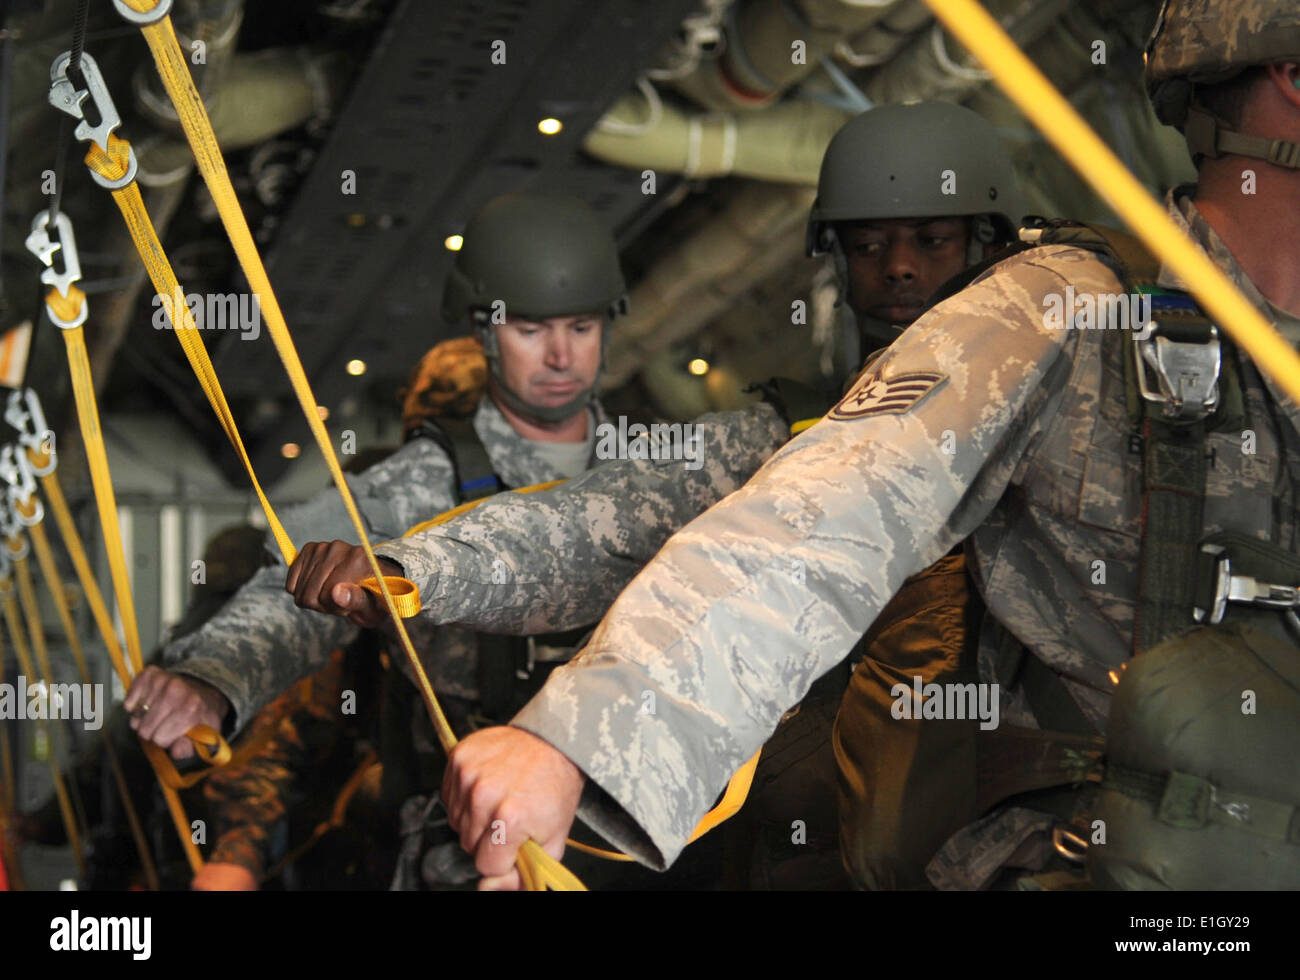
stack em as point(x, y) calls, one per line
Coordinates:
point(894, 162)
point(1205, 42)
point(537, 256)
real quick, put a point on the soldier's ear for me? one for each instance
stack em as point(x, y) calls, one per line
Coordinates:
point(1286, 75)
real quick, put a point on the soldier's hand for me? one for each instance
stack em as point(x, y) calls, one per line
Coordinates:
point(165, 706)
point(502, 787)
point(218, 877)
point(324, 577)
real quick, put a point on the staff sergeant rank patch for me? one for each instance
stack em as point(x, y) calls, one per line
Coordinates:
point(874, 395)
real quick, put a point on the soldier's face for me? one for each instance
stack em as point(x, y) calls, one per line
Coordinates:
point(549, 362)
point(895, 264)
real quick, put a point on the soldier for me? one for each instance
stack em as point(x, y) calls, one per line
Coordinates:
point(884, 214)
point(539, 280)
point(1044, 481)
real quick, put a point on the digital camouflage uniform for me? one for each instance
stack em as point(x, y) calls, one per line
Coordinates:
point(261, 643)
point(747, 605)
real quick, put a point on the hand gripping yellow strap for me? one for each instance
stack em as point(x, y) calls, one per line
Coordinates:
point(1056, 119)
point(737, 788)
point(174, 72)
point(406, 597)
point(19, 643)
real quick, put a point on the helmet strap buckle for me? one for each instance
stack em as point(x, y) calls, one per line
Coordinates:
point(1202, 133)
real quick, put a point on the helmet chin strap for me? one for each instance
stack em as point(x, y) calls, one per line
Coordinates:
point(540, 413)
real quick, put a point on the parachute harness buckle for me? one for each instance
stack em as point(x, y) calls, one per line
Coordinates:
point(1185, 372)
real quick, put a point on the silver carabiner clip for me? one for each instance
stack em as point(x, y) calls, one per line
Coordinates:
point(15, 471)
point(11, 532)
point(66, 97)
point(23, 412)
point(40, 244)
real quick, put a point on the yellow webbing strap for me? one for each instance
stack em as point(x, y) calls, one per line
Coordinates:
point(248, 747)
point(83, 390)
point(536, 867)
point(464, 508)
point(738, 786)
point(19, 643)
point(99, 610)
point(209, 744)
point(1093, 160)
point(113, 165)
point(31, 610)
point(802, 424)
point(54, 584)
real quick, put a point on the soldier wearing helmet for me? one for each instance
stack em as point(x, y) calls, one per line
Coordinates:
point(908, 197)
point(538, 282)
point(1129, 550)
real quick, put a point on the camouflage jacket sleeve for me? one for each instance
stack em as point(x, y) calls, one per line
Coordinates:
point(260, 642)
point(528, 563)
point(743, 609)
